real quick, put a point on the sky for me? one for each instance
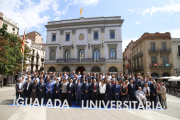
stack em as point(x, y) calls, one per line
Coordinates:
point(139, 16)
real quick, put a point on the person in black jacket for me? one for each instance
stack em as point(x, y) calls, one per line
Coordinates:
point(86, 90)
point(27, 89)
point(153, 89)
point(57, 88)
point(70, 89)
point(109, 91)
point(41, 90)
point(132, 91)
point(94, 90)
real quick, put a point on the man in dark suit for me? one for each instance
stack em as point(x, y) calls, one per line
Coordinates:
point(83, 75)
point(27, 89)
point(19, 88)
point(70, 89)
point(86, 90)
point(141, 83)
point(132, 91)
point(94, 90)
point(49, 89)
point(57, 88)
point(109, 90)
point(153, 89)
point(46, 79)
point(78, 92)
point(41, 90)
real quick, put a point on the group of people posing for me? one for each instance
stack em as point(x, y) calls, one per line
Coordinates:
point(90, 86)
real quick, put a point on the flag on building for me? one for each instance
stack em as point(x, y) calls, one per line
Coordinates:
point(155, 64)
point(23, 43)
point(81, 11)
point(167, 64)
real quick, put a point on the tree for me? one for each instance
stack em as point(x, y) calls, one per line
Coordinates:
point(10, 53)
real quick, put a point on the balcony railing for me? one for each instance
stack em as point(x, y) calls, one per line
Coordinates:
point(37, 63)
point(168, 51)
point(161, 66)
point(153, 50)
point(140, 67)
point(138, 55)
point(88, 60)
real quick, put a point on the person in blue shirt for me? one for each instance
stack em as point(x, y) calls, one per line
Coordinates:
point(117, 89)
point(49, 89)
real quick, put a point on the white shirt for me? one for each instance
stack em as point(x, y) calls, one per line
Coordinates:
point(70, 84)
point(140, 94)
point(102, 89)
point(144, 89)
point(36, 79)
point(109, 78)
point(27, 85)
point(20, 85)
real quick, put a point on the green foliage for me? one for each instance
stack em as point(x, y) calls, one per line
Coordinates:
point(10, 53)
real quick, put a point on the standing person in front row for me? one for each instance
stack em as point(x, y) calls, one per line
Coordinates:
point(70, 89)
point(19, 88)
point(124, 91)
point(109, 91)
point(57, 88)
point(153, 89)
point(27, 88)
point(102, 90)
point(64, 89)
point(147, 91)
point(78, 92)
point(94, 90)
point(86, 90)
point(34, 90)
point(49, 89)
point(41, 90)
point(132, 91)
point(162, 92)
point(117, 91)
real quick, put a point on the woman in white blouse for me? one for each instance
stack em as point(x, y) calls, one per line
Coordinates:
point(102, 90)
point(147, 91)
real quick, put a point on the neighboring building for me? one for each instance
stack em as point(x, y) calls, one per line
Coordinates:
point(176, 55)
point(151, 54)
point(12, 27)
point(85, 44)
point(35, 42)
point(127, 58)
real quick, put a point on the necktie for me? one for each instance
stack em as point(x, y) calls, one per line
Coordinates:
point(94, 86)
point(147, 91)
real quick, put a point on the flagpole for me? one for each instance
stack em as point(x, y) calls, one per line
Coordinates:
point(23, 52)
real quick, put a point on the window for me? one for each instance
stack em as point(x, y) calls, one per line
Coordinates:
point(112, 35)
point(165, 60)
point(137, 63)
point(67, 37)
point(81, 55)
point(112, 69)
point(141, 48)
point(13, 29)
point(52, 55)
point(164, 46)
point(52, 69)
point(112, 54)
point(152, 46)
point(179, 50)
point(153, 59)
point(137, 50)
point(95, 36)
point(141, 61)
point(53, 37)
point(67, 55)
point(96, 55)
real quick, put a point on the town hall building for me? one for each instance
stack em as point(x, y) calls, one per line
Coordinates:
point(84, 44)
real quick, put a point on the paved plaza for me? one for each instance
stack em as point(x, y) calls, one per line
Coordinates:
point(7, 112)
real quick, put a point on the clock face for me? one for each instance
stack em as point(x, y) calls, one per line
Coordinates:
point(81, 37)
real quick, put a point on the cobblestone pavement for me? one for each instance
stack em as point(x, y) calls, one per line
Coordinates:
point(7, 112)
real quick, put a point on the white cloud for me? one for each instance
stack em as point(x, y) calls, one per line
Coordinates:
point(126, 42)
point(137, 22)
point(172, 7)
point(178, 19)
point(175, 33)
point(131, 10)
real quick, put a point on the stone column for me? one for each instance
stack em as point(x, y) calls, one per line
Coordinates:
point(89, 41)
point(73, 41)
point(61, 43)
point(102, 42)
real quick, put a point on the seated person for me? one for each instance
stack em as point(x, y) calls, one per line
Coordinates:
point(141, 96)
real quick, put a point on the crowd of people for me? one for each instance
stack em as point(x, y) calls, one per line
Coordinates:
point(90, 86)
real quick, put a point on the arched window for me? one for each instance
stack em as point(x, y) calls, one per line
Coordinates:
point(112, 54)
point(52, 55)
point(112, 35)
point(95, 69)
point(81, 55)
point(154, 75)
point(67, 55)
point(52, 69)
point(96, 55)
point(66, 69)
point(95, 36)
point(112, 69)
point(67, 37)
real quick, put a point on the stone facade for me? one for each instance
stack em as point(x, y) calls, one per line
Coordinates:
point(84, 44)
point(152, 54)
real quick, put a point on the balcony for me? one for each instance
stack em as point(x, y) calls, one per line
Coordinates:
point(37, 63)
point(38, 56)
point(165, 51)
point(137, 55)
point(140, 67)
point(32, 62)
point(161, 66)
point(33, 54)
point(153, 51)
